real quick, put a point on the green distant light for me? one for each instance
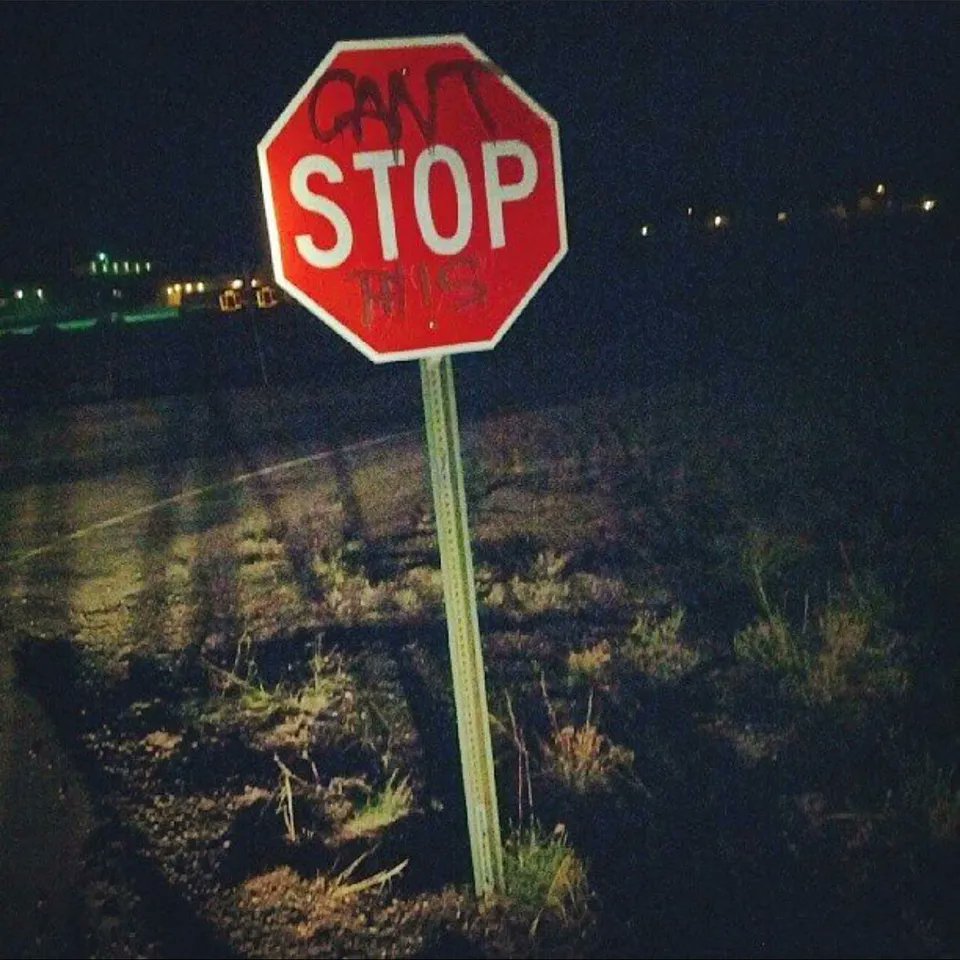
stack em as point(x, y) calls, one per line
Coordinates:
point(70, 326)
point(151, 316)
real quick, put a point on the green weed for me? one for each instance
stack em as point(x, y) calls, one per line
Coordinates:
point(381, 809)
point(544, 876)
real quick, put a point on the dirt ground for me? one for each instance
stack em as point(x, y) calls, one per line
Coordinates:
point(718, 666)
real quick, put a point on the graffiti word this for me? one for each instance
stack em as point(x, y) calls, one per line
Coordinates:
point(452, 287)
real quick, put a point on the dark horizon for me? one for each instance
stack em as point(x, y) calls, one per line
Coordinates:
point(135, 128)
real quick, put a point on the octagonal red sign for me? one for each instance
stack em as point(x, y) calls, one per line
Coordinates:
point(414, 196)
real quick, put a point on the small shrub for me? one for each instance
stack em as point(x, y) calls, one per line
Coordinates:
point(544, 876)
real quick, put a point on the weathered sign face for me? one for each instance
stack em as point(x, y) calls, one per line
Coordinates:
point(414, 197)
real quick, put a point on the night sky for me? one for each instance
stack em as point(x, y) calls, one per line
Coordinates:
point(134, 127)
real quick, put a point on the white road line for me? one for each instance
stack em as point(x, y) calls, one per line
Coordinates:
point(198, 492)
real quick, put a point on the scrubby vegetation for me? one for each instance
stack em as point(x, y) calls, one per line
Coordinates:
point(721, 671)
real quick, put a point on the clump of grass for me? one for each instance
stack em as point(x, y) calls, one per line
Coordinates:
point(381, 809)
point(843, 635)
point(590, 666)
point(550, 564)
point(770, 643)
point(931, 793)
point(343, 586)
point(844, 655)
point(544, 876)
point(581, 757)
point(653, 646)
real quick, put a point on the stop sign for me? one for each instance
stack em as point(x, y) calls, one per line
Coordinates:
point(413, 196)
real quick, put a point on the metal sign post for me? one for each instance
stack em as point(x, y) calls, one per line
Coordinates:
point(463, 628)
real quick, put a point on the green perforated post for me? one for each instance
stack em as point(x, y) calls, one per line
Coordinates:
point(463, 629)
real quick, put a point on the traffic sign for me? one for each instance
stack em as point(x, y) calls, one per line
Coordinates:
point(413, 196)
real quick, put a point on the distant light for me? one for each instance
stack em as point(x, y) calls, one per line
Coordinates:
point(136, 267)
point(254, 282)
point(126, 266)
point(18, 294)
point(93, 266)
point(881, 189)
point(169, 291)
point(39, 293)
point(101, 256)
point(689, 211)
point(928, 205)
point(199, 286)
point(644, 230)
point(116, 266)
point(718, 221)
point(237, 284)
point(147, 265)
point(782, 216)
point(189, 288)
point(177, 287)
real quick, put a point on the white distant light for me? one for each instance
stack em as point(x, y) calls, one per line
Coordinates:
point(189, 288)
point(237, 284)
point(928, 205)
point(93, 266)
point(881, 189)
point(644, 231)
point(136, 267)
point(18, 294)
point(782, 216)
point(254, 282)
point(717, 220)
point(169, 291)
point(126, 266)
point(689, 211)
point(177, 287)
point(147, 265)
point(116, 266)
point(39, 293)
